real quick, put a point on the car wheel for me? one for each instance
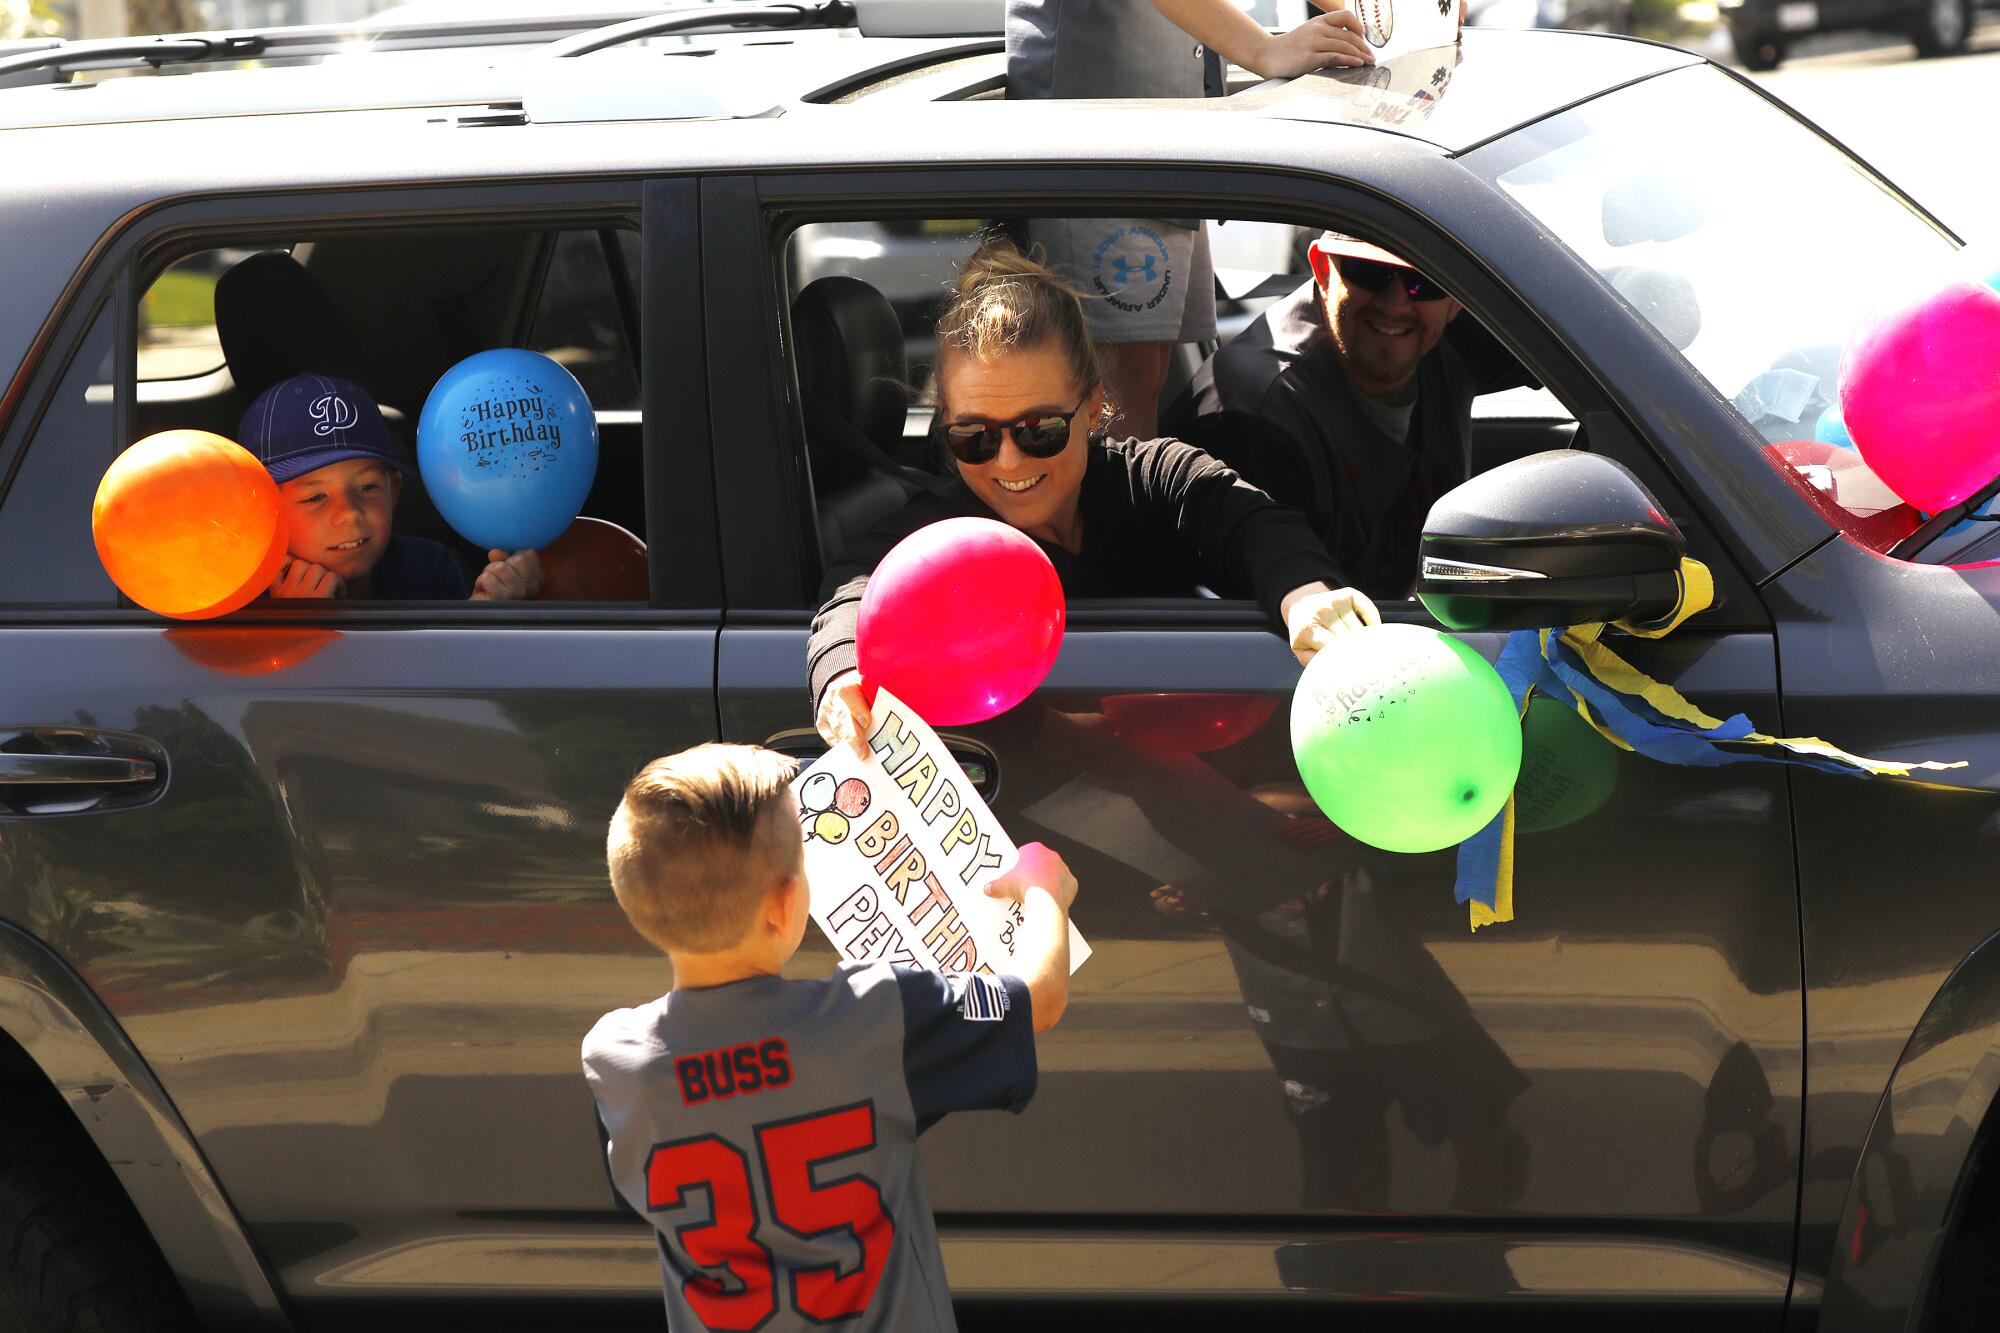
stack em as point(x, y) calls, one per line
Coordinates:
point(1942, 26)
point(1759, 51)
point(73, 1252)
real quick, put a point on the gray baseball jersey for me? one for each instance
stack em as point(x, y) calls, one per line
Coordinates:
point(767, 1129)
point(1103, 48)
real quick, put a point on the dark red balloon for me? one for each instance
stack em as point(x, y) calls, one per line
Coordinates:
point(961, 621)
point(594, 561)
point(1176, 724)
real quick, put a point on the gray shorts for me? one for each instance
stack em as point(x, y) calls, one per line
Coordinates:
point(1143, 279)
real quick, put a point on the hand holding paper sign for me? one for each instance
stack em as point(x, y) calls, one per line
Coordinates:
point(899, 848)
point(1041, 887)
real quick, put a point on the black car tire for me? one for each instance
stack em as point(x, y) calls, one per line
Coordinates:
point(73, 1253)
point(1759, 51)
point(1941, 27)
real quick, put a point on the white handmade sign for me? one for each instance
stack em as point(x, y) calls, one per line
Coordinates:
point(1395, 26)
point(900, 849)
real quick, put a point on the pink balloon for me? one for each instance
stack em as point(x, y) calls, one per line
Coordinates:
point(961, 621)
point(1920, 389)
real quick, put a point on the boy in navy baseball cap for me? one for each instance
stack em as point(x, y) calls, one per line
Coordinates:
point(339, 475)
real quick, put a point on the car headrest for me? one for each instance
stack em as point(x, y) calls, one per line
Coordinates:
point(850, 356)
point(275, 321)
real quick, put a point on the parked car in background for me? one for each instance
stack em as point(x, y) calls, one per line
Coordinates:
point(1763, 31)
point(1577, 15)
point(303, 911)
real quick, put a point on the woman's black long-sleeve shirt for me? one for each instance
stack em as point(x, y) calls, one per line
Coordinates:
point(1159, 517)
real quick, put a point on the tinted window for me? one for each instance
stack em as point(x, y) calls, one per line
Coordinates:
point(47, 557)
point(579, 320)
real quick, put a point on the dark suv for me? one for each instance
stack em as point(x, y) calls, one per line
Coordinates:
point(305, 909)
point(1762, 31)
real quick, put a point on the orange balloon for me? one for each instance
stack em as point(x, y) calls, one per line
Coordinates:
point(594, 561)
point(187, 524)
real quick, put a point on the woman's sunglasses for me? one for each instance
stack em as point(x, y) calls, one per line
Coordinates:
point(1040, 436)
point(1372, 275)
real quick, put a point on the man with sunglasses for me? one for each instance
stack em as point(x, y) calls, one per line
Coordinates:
point(1351, 399)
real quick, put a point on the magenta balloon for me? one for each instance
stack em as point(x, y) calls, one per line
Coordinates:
point(1920, 391)
point(961, 621)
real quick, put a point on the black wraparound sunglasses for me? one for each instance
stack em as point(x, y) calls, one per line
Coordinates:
point(1372, 275)
point(1043, 435)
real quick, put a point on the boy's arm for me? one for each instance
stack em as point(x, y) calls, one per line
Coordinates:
point(1332, 38)
point(1044, 888)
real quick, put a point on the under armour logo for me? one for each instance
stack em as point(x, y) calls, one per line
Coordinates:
point(1444, 7)
point(331, 413)
point(1125, 271)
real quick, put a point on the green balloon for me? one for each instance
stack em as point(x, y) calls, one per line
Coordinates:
point(1567, 769)
point(1406, 738)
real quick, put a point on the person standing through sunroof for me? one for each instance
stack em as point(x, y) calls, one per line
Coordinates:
point(1150, 279)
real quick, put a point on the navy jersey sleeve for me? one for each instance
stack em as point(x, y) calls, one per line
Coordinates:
point(968, 1043)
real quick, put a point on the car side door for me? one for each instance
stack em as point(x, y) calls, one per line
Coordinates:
point(1279, 1024)
point(356, 922)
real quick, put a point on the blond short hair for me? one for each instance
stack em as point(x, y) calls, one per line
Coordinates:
point(699, 840)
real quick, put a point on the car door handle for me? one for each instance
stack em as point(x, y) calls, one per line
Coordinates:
point(982, 770)
point(93, 770)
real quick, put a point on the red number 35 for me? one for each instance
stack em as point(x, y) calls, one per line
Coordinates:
point(788, 1150)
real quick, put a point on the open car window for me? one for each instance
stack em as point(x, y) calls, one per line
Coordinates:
point(391, 311)
point(870, 363)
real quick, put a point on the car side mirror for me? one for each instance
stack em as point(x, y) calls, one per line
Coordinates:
point(1554, 539)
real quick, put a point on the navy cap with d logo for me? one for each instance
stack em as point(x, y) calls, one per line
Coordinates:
point(308, 421)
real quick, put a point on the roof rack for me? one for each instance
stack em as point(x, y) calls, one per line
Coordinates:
point(571, 34)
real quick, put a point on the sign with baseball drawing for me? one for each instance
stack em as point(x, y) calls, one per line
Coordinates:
point(1395, 26)
point(900, 849)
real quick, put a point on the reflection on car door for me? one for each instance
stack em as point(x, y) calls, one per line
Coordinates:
point(1279, 1023)
point(360, 924)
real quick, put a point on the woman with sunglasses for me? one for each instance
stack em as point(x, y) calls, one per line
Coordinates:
point(1020, 394)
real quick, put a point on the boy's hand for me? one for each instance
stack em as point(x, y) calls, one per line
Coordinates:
point(1038, 867)
point(1314, 613)
point(302, 578)
point(844, 715)
point(509, 578)
point(1333, 38)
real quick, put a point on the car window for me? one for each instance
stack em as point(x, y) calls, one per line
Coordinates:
point(47, 557)
point(1750, 243)
point(395, 309)
point(176, 326)
point(580, 316)
point(1261, 272)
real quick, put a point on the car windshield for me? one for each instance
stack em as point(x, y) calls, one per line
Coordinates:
point(1751, 243)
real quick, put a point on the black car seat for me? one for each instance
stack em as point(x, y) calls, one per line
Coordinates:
point(854, 390)
point(274, 321)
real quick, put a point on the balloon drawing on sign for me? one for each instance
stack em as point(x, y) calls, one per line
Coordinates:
point(1406, 738)
point(851, 797)
point(816, 792)
point(830, 826)
point(507, 444)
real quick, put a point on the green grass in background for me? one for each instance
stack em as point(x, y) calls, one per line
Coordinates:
point(180, 300)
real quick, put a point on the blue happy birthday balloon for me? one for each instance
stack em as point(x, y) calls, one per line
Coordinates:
point(507, 444)
point(1832, 428)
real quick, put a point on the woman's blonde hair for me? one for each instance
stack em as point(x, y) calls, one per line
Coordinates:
point(1005, 301)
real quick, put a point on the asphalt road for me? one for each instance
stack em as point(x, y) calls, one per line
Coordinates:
point(1931, 126)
